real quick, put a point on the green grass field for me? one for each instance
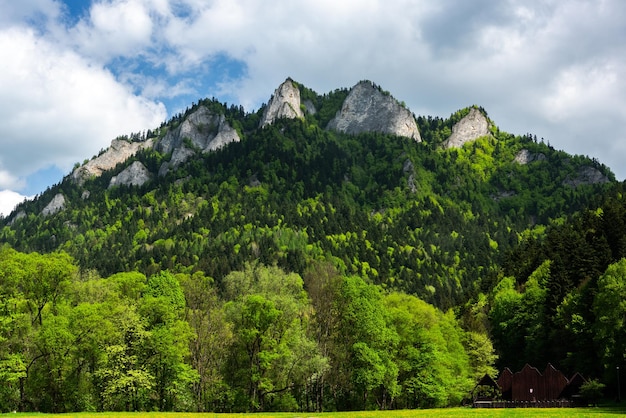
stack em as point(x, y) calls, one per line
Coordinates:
point(606, 411)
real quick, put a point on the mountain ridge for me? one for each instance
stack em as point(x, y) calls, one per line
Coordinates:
point(294, 158)
point(367, 108)
point(208, 131)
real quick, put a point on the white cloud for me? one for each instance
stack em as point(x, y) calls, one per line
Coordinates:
point(323, 44)
point(113, 29)
point(545, 67)
point(9, 200)
point(39, 11)
point(57, 107)
point(8, 180)
point(577, 89)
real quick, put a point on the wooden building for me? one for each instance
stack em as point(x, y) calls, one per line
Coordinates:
point(530, 385)
point(505, 381)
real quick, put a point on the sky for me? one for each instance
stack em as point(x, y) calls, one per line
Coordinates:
point(75, 74)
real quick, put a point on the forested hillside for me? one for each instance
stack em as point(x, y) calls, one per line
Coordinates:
point(562, 296)
point(303, 268)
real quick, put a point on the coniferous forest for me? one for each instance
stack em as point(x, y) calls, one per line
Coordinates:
point(303, 269)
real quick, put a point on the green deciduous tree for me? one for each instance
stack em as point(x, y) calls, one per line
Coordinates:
point(272, 356)
point(166, 352)
point(166, 345)
point(434, 368)
point(592, 391)
point(124, 383)
point(363, 372)
point(609, 307)
point(32, 351)
point(519, 320)
point(210, 348)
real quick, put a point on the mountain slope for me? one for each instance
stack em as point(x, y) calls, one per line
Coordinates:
point(316, 179)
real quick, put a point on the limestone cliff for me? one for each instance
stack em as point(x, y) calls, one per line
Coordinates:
point(471, 127)
point(201, 131)
point(368, 109)
point(204, 129)
point(119, 151)
point(19, 215)
point(524, 156)
point(285, 103)
point(135, 174)
point(586, 175)
point(56, 204)
point(409, 170)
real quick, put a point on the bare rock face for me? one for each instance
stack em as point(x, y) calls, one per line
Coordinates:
point(309, 107)
point(225, 135)
point(503, 194)
point(135, 174)
point(368, 109)
point(468, 129)
point(525, 157)
point(19, 215)
point(206, 131)
point(285, 103)
point(56, 204)
point(586, 175)
point(179, 156)
point(202, 131)
point(119, 151)
point(409, 169)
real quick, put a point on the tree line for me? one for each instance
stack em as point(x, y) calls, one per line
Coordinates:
point(264, 339)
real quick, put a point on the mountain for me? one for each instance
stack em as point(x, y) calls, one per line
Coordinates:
point(473, 126)
point(328, 251)
point(421, 204)
point(369, 109)
point(285, 103)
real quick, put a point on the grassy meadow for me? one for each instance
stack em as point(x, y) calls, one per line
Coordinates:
point(606, 411)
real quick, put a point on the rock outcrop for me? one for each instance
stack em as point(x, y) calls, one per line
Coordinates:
point(201, 131)
point(204, 129)
point(56, 204)
point(503, 194)
point(526, 157)
point(586, 175)
point(179, 156)
point(135, 174)
point(309, 107)
point(19, 215)
point(368, 109)
point(119, 151)
point(409, 169)
point(473, 126)
point(285, 103)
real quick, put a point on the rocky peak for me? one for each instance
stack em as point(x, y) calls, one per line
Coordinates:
point(119, 151)
point(368, 109)
point(203, 130)
point(285, 103)
point(135, 174)
point(471, 127)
